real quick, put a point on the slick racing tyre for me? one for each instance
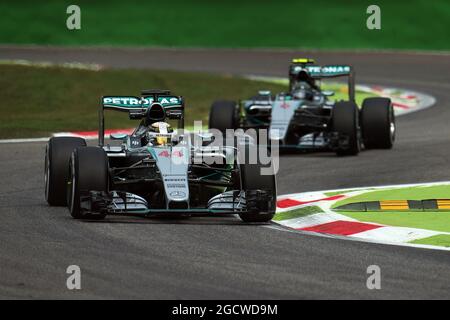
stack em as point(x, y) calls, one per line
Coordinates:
point(224, 115)
point(345, 123)
point(257, 186)
point(57, 156)
point(88, 172)
point(378, 123)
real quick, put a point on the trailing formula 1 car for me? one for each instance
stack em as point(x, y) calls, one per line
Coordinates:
point(157, 170)
point(305, 118)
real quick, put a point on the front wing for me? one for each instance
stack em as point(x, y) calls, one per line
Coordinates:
point(125, 203)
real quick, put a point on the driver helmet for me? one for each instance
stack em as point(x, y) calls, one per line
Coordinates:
point(303, 76)
point(161, 133)
point(303, 88)
point(302, 91)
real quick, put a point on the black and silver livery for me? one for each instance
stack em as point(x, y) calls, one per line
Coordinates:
point(158, 169)
point(305, 118)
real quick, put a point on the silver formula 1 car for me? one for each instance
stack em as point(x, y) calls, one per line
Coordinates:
point(157, 170)
point(304, 118)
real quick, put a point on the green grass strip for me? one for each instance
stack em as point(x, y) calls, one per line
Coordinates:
point(442, 240)
point(415, 24)
point(431, 220)
point(437, 221)
point(410, 193)
point(297, 213)
point(37, 100)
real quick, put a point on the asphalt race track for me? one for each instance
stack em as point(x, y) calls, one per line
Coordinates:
point(212, 258)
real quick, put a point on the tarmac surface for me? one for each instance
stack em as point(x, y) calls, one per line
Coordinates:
point(223, 258)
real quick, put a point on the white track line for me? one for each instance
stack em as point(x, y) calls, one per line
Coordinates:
point(26, 140)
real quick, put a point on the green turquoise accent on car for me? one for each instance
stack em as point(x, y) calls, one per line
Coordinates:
point(152, 152)
point(329, 70)
point(130, 102)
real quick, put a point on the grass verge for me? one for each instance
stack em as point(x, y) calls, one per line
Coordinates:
point(409, 193)
point(417, 24)
point(437, 221)
point(442, 240)
point(40, 100)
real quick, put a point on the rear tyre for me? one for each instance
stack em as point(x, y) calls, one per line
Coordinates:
point(252, 179)
point(378, 123)
point(224, 115)
point(345, 123)
point(57, 155)
point(88, 172)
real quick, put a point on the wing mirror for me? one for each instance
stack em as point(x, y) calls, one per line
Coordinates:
point(118, 136)
point(206, 136)
point(264, 93)
point(328, 93)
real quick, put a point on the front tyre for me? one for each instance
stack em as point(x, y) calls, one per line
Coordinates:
point(88, 172)
point(224, 115)
point(57, 156)
point(378, 123)
point(253, 181)
point(345, 123)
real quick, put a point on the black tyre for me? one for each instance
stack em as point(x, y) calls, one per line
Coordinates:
point(57, 156)
point(252, 179)
point(88, 172)
point(224, 115)
point(345, 122)
point(378, 123)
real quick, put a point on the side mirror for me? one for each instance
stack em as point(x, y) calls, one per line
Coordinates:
point(118, 136)
point(264, 93)
point(206, 136)
point(328, 93)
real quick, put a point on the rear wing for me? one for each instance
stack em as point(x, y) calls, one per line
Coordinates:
point(138, 107)
point(327, 71)
point(130, 103)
